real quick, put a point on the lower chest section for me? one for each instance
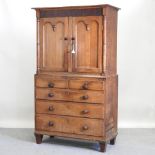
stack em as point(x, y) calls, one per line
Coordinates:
point(70, 106)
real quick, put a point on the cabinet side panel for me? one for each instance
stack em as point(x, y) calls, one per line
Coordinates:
point(110, 41)
point(111, 107)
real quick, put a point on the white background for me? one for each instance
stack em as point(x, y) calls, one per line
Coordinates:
point(136, 60)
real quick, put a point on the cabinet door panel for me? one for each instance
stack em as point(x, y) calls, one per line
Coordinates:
point(87, 32)
point(53, 56)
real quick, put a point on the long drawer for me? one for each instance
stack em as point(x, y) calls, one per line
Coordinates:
point(70, 125)
point(70, 95)
point(69, 108)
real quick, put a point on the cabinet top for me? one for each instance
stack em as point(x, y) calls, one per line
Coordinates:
point(77, 7)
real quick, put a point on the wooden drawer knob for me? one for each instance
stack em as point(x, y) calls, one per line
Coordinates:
point(85, 127)
point(85, 85)
point(85, 111)
point(50, 123)
point(50, 95)
point(51, 85)
point(85, 97)
point(50, 108)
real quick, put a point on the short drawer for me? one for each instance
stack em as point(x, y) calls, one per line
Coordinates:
point(70, 95)
point(71, 125)
point(69, 108)
point(47, 82)
point(86, 84)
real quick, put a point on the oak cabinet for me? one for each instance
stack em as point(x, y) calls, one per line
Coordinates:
point(76, 80)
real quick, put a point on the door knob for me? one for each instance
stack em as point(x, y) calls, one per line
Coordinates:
point(85, 85)
point(50, 123)
point(85, 111)
point(51, 85)
point(50, 95)
point(65, 38)
point(85, 97)
point(85, 127)
point(50, 108)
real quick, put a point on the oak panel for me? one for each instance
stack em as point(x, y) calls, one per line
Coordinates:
point(53, 46)
point(87, 32)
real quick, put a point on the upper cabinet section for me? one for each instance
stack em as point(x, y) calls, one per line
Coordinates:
point(80, 39)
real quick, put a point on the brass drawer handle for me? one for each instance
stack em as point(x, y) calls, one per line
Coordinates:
point(85, 127)
point(85, 97)
point(50, 123)
point(51, 85)
point(85, 111)
point(50, 108)
point(85, 85)
point(50, 95)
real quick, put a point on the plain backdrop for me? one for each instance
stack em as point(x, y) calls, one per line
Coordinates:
point(136, 60)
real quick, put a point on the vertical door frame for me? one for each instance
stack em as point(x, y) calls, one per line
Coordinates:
point(70, 31)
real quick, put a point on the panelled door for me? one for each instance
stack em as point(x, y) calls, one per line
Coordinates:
point(87, 38)
point(53, 47)
point(71, 44)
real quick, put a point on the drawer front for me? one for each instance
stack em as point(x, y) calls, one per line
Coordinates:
point(46, 82)
point(86, 84)
point(69, 108)
point(72, 125)
point(70, 95)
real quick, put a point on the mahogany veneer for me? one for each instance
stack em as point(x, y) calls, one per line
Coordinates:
point(76, 81)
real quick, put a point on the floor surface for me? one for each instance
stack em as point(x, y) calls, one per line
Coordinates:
point(129, 142)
